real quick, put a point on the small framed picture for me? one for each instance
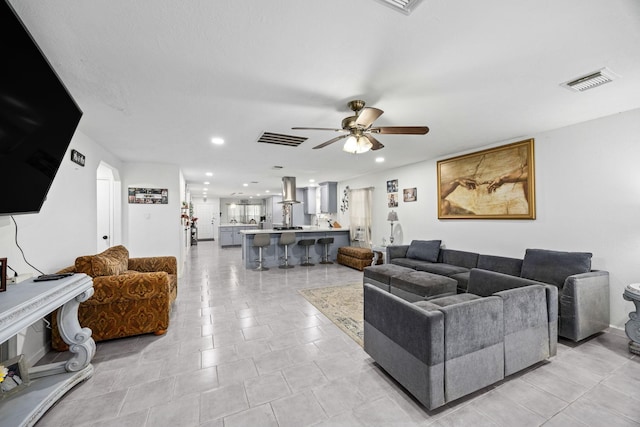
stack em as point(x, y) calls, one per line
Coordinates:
point(392, 200)
point(3, 271)
point(410, 194)
point(392, 186)
point(14, 376)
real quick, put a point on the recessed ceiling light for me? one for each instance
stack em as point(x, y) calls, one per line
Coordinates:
point(245, 185)
point(266, 191)
point(217, 141)
point(209, 173)
point(258, 195)
point(379, 159)
point(206, 183)
point(312, 180)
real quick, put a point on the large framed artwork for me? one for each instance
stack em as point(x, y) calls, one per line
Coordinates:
point(497, 183)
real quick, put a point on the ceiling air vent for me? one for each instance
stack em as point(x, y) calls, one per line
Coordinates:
point(590, 81)
point(280, 139)
point(404, 6)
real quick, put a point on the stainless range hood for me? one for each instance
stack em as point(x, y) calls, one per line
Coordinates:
point(288, 200)
point(289, 189)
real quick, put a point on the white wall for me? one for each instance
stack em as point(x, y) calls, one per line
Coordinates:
point(64, 229)
point(587, 198)
point(154, 230)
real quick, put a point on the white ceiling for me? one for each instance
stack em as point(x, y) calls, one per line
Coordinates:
point(157, 79)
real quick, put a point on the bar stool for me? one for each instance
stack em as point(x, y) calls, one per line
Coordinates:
point(326, 241)
point(286, 238)
point(306, 243)
point(260, 241)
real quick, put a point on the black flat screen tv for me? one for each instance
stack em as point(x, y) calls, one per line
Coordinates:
point(38, 118)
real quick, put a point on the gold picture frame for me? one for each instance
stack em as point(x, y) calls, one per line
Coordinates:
point(498, 183)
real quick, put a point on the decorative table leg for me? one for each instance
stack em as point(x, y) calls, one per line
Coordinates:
point(79, 339)
point(632, 327)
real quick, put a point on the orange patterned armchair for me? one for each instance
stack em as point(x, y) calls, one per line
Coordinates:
point(132, 296)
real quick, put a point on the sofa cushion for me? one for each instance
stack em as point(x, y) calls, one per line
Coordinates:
point(554, 266)
point(453, 299)
point(383, 272)
point(425, 250)
point(441, 269)
point(423, 284)
point(459, 258)
point(409, 262)
point(500, 264)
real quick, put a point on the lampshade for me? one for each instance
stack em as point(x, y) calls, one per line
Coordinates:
point(357, 144)
point(393, 216)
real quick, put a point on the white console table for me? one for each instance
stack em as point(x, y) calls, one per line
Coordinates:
point(22, 305)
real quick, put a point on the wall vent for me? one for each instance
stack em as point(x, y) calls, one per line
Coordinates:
point(404, 6)
point(590, 81)
point(280, 139)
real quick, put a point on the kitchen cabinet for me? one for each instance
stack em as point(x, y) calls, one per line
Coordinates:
point(328, 197)
point(309, 200)
point(229, 235)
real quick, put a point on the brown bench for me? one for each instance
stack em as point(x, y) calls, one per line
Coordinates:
point(357, 258)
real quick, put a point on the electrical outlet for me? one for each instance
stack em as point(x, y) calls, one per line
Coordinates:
point(19, 278)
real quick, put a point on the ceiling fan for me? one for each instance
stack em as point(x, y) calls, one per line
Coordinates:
point(358, 129)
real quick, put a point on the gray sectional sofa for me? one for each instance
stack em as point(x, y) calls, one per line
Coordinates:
point(583, 293)
point(446, 347)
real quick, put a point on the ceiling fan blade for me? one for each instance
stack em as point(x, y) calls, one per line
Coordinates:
point(367, 116)
point(401, 130)
point(331, 141)
point(376, 144)
point(333, 129)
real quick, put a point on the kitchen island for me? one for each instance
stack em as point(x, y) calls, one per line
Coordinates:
point(274, 251)
point(229, 234)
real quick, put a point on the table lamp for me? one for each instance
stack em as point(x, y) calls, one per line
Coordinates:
point(393, 216)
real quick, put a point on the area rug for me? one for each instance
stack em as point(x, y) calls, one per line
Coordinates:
point(343, 305)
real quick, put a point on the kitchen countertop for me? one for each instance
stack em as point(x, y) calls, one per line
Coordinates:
point(304, 230)
point(237, 225)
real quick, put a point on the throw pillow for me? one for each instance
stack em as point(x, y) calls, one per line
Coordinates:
point(111, 262)
point(424, 250)
point(554, 267)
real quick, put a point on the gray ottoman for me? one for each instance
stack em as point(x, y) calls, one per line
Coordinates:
point(380, 275)
point(415, 286)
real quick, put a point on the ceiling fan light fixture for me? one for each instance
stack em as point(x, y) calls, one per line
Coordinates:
point(357, 144)
point(404, 6)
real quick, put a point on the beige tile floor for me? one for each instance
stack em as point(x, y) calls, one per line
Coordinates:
point(245, 349)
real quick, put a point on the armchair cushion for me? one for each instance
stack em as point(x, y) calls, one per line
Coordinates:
point(111, 262)
point(554, 267)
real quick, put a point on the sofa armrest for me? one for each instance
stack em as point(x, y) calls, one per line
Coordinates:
point(407, 342)
point(127, 287)
point(486, 282)
point(584, 305)
point(151, 264)
point(418, 331)
point(399, 251)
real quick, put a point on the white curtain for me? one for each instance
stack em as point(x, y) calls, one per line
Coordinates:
point(360, 217)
